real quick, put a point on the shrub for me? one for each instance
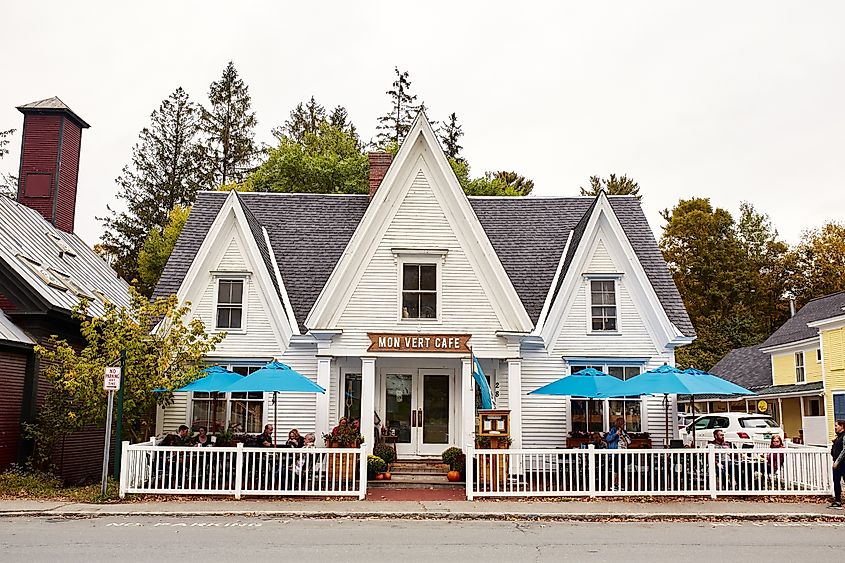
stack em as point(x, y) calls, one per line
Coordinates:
point(385, 452)
point(454, 458)
point(375, 465)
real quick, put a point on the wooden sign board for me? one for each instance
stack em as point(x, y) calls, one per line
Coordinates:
point(393, 342)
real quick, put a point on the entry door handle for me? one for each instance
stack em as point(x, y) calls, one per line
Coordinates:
point(419, 417)
point(414, 418)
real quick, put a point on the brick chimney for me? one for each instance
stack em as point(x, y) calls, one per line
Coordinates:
point(379, 163)
point(52, 137)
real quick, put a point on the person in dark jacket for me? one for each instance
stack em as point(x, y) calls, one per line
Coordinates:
point(837, 451)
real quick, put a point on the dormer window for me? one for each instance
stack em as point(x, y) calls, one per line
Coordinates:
point(71, 284)
point(44, 274)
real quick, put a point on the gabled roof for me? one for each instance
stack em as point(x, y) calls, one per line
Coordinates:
point(257, 234)
point(796, 329)
point(747, 366)
point(41, 256)
point(309, 233)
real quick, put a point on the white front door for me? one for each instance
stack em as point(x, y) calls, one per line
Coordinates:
point(418, 409)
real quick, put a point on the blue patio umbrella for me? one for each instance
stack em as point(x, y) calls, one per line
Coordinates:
point(668, 380)
point(588, 382)
point(275, 377)
point(215, 380)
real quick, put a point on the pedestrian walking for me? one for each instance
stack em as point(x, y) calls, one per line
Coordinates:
point(838, 454)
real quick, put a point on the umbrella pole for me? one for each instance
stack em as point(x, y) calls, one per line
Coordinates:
point(275, 418)
point(666, 408)
point(692, 412)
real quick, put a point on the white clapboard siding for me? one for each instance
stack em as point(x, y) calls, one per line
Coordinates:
point(633, 340)
point(500, 378)
point(543, 416)
point(259, 340)
point(174, 415)
point(297, 410)
point(374, 305)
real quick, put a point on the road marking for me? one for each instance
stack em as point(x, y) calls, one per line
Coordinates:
point(185, 524)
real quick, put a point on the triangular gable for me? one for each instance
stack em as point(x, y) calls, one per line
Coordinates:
point(232, 221)
point(420, 151)
point(601, 219)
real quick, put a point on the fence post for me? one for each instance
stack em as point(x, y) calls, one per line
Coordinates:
point(239, 469)
point(124, 469)
point(711, 470)
point(591, 470)
point(469, 467)
point(362, 472)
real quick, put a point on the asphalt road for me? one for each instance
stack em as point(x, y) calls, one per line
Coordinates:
point(250, 540)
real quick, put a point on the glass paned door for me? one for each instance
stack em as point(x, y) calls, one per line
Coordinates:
point(418, 409)
point(435, 415)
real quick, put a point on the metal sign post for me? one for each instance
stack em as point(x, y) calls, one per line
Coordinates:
point(111, 382)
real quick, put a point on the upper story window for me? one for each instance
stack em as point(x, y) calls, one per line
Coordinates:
point(799, 367)
point(419, 291)
point(230, 304)
point(818, 355)
point(603, 312)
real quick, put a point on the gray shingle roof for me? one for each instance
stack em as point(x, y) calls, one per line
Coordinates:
point(51, 105)
point(258, 235)
point(796, 329)
point(25, 233)
point(309, 233)
point(747, 366)
point(813, 388)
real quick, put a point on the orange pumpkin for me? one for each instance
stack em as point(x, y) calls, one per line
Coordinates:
point(387, 476)
point(454, 476)
point(379, 476)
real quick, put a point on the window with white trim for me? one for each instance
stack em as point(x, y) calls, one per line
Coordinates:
point(603, 313)
point(230, 304)
point(799, 367)
point(243, 412)
point(629, 408)
point(419, 291)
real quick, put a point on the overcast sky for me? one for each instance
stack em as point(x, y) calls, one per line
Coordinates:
point(730, 100)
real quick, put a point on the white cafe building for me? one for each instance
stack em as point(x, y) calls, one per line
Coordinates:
point(380, 298)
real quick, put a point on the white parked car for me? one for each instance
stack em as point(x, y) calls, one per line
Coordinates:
point(739, 427)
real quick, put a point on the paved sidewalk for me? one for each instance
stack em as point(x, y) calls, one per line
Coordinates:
point(492, 510)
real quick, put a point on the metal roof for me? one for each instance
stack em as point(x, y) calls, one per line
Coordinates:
point(51, 262)
point(11, 332)
point(309, 233)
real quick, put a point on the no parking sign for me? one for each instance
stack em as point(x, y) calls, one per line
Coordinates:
point(111, 382)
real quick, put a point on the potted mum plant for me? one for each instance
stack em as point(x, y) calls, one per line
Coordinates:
point(456, 460)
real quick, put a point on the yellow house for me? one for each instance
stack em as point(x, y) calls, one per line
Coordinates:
point(805, 360)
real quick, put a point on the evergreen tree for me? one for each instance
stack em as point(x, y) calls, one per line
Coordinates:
point(165, 172)
point(229, 126)
point(613, 185)
point(340, 118)
point(305, 118)
point(450, 136)
point(397, 122)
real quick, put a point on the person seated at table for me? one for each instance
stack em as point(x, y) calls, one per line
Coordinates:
point(719, 441)
point(597, 441)
point(181, 438)
point(724, 463)
point(294, 439)
point(617, 437)
point(203, 440)
point(774, 460)
point(309, 441)
point(265, 439)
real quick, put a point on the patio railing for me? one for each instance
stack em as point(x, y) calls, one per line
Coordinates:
point(701, 471)
point(241, 471)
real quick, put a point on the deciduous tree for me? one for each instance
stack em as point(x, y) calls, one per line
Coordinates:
point(166, 358)
point(818, 262)
point(8, 182)
point(157, 249)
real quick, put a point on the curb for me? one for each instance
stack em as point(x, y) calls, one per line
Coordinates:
point(508, 516)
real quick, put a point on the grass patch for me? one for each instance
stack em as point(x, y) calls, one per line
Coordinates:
point(21, 484)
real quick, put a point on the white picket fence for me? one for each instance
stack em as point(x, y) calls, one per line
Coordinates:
point(668, 472)
point(238, 471)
